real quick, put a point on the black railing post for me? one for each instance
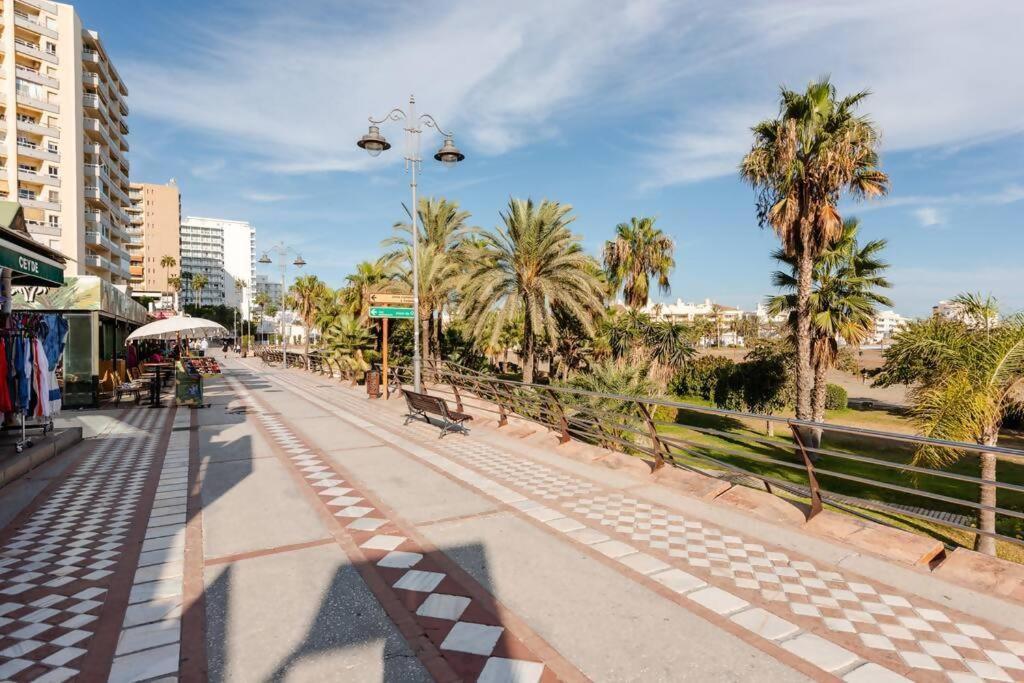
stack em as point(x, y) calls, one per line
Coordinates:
point(812, 480)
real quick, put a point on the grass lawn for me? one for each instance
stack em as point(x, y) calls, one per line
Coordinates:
point(734, 446)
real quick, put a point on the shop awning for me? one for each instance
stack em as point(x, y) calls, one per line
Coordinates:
point(31, 263)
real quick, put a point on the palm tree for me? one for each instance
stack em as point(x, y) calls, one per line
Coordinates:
point(168, 262)
point(174, 282)
point(371, 277)
point(344, 342)
point(978, 311)
point(969, 379)
point(531, 263)
point(799, 165)
point(305, 295)
point(844, 300)
point(199, 283)
point(639, 252)
point(442, 230)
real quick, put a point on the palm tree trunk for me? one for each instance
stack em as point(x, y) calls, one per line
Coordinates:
point(818, 399)
point(529, 350)
point(987, 496)
point(437, 333)
point(425, 335)
point(804, 373)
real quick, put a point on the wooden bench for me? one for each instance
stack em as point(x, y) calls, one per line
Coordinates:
point(422, 405)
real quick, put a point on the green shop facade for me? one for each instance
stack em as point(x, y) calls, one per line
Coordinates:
point(100, 315)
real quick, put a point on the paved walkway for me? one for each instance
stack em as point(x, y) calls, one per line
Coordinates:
point(296, 531)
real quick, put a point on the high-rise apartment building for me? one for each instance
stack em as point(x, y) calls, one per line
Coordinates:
point(224, 252)
point(64, 137)
point(153, 235)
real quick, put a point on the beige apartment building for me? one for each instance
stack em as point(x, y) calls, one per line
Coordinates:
point(154, 232)
point(63, 136)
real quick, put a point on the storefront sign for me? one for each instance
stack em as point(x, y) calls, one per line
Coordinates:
point(14, 257)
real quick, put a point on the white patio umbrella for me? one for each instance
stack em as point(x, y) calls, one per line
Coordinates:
point(179, 326)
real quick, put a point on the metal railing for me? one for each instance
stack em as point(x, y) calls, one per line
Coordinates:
point(866, 472)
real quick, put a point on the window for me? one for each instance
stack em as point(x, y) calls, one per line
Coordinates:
point(25, 193)
point(54, 221)
point(53, 171)
point(53, 147)
point(54, 196)
point(51, 47)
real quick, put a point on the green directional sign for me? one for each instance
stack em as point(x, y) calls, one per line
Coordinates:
point(390, 312)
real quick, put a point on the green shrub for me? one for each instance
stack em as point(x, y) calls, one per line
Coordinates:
point(699, 376)
point(835, 398)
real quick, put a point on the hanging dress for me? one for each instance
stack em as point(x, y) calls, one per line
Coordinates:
point(6, 406)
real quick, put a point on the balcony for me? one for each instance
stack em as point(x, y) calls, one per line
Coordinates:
point(37, 203)
point(39, 129)
point(30, 149)
point(98, 262)
point(43, 228)
point(28, 100)
point(38, 178)
point(31, 23)
point(98, 241)
point(42, 4)
point(32, 50)
point(35, 76)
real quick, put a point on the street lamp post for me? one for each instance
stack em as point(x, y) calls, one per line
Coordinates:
point(449, 155)
point(282, 251)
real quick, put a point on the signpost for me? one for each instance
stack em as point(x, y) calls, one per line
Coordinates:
point(387, 306)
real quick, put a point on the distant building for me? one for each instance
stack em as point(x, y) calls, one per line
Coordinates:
point(261, 283)
point(682, 311)
point(225, 252)
point(887, 324)
point(952, 310)
point(765, 317)
point(155, 214)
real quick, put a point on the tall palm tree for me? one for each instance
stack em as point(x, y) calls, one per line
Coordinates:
point(443, 229)
point(968, 380)
point(306, 294)
point(531, 263)
point(639, 252)
point(846, 280)
point(167, 262)
point(199, 283)
point(371, 277)
point(799, 165)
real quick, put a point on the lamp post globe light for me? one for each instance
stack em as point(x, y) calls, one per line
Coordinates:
point(282, 251)
point(449, 155)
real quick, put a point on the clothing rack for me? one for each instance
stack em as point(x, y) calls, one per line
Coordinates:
point(22, 325)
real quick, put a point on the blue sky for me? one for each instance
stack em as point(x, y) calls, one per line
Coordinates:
point(618, 108)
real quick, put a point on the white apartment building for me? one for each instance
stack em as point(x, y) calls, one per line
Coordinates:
point(887, 324)
point(224, 251)
point(63, 136)
point(261, 283)
point(955, 311)
point(682, 311)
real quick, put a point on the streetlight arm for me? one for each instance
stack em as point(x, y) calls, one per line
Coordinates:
point(429, 120)
point(395, 114)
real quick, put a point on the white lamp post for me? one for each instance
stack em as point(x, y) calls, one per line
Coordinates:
point(449, 155)
point(282, 252)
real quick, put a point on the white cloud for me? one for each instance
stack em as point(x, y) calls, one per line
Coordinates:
point(292, 88)
point(1009, 194)
point(929, 216)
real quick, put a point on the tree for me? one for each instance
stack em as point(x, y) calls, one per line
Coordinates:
point(969, 379)
point(977, 310)
point(306, 294)
point(531, 263)
point(344, 342)
point(845, 297)
point(167, 262)
point(199, 283)
point(799, 165)
point(443, 229)
point(639, 252)
point(371, 277)
point(618, 379)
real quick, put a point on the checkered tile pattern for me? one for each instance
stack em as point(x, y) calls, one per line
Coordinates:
point(55, 569)
point(470, 637)
point(149, 643)
point(902, 631)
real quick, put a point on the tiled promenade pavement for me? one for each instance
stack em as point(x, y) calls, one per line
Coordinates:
point(66, 561)
point(848, 625)
point(472, 642)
